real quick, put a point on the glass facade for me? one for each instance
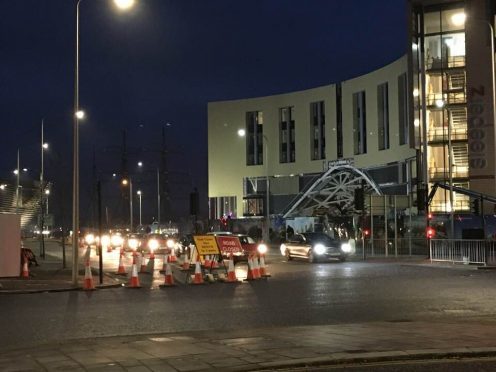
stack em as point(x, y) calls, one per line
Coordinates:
point(317, 126)
point(287, 146)
point(254, 138)
point(359, 123)
point(442, 32)
point(223, 206)
point(383, 116)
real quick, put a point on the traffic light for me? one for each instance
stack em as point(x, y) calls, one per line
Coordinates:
point(475, 206)
point(429, 216)
point(359, 199)
point(430, 232)
point(366, 233)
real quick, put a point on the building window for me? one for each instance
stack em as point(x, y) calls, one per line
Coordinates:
point(339, 121)
point(287, 148)
point(402, 109)
point(222, 206)
point(317, 126)
point(359, 123)
point(254, 138)
point(383, 116)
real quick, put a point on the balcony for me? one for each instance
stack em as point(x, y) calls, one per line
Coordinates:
point(443, 64)
point(441, 134)
point(439, 174)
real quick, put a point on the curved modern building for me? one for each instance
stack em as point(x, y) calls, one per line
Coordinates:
point(425, 118)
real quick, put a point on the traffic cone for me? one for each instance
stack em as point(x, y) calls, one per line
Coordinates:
point(169, 278)
point(143, 269)
point(264, 273)
point(25, 268)
point(121, 270)
point(256, 268)
point(215, 263)
point(231, 273)
point(165, 260)
point(88, 284)
point(172, 257)
point(134, 280)
point(207, 261)
point(250, 275)
point(152, 254)
point(185, 265)
point(198, 274)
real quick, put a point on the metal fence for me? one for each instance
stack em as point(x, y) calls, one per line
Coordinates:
point(392, 247)
point(465, 251)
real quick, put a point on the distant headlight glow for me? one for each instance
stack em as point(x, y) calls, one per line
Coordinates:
point(319, 249)
point(170, 243)
point(283, 249)
point(153, 244)
point(116, 240)
point(133, 243)
point(89, 239)
point(262, 248)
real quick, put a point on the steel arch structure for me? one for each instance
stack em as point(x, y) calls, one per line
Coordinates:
point(334, 191)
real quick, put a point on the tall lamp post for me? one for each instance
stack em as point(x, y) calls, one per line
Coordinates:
point(139, 197)
point(78, 114)
point(242, 133)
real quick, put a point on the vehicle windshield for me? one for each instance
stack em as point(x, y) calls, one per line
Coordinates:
point(246, 240)
point(319, 238)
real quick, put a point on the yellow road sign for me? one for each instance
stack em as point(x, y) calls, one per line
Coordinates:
point(206, 244)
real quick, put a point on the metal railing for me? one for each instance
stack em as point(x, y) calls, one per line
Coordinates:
point(393, 247)
point(479, 252)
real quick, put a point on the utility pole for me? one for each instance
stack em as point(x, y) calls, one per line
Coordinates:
point(42, 222)
point(164, 182)
point(124, 175)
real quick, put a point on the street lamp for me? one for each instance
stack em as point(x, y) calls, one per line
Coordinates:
point(242, 133)
point(129, 182)
point(79, 114)
point(139, 196)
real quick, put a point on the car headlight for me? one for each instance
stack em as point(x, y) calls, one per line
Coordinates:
point(319, 249)
point(346, 248)
point(89, 239)
point(283, 249)
point(133, 243)
point(105, 240)
point(262, 248)
point(170, 243)
point(153, 244)
point(116, 240)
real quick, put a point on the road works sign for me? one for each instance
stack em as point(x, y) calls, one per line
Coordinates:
point(206, 244)
point(229, 244)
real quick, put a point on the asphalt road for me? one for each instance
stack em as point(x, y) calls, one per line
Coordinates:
point(297, 294)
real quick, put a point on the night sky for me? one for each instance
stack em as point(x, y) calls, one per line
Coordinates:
point(157, 66)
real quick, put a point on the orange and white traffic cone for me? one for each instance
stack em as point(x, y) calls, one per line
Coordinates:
point(134, 280)
point(215, 263)
point(143, 268)
point(25, 268)
point(121, 270)
point(198, 278)
point(88, 284)
point(231, 273)
point(169, 278)
point(152, 254)
point(172, 257)
point(264, 273)
point(185, 265)
point(250, 275)
point(256, 268)
point(207, 262)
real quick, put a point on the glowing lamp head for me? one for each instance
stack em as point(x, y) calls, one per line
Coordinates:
point(458, 19)
point(80, 114)
point(124, 4)
point(241, 132)
point(170, 243)
point(116, 240)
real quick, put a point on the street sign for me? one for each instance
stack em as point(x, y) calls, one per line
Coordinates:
point(206, 244)
point(229, 244)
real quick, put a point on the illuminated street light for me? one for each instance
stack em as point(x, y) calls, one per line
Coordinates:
point(122, 4)
point(140, 164)
point(139, 196)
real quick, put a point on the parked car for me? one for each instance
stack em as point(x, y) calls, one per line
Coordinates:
point(315, 247)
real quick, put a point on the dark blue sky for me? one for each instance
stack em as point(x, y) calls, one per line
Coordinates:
point(161, 63)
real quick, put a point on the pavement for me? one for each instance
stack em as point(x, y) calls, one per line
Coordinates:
point(257, 349)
